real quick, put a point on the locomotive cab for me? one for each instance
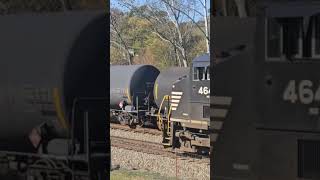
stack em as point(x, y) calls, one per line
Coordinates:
point(189, 115)
point(200, 93)
point(289, 87)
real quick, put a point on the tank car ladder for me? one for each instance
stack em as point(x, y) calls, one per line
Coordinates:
point(163, 120)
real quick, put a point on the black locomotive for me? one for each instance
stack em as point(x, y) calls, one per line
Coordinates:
point(176, 101)
point(53, 95)
point(266, 83)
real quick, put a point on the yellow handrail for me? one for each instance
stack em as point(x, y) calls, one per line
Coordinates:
point(169, 114)
point(166, 97)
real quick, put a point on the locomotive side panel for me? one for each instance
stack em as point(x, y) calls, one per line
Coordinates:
point(233, 135)
point(287, 84)
point(271, 130)
point(289, 88)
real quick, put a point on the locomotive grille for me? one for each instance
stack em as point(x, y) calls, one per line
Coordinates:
point(206, 111)
point(308, 159)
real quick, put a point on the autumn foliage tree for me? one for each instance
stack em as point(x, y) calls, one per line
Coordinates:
point(162, 34)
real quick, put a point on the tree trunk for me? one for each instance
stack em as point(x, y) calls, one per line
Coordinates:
point(241, 5)
point(177, 56)
point(130, 58)
point(179, 60)
point(224, 7)
point(184, 60)
point(206, 24)
point(181, 48)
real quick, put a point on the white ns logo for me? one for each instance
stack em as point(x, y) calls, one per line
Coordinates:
point(305, 93)
point(204, 90)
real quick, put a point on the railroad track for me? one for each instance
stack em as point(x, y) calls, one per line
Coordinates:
point(136, 130)
point(156, 149)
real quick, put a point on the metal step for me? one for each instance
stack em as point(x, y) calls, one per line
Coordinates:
point(166, 144)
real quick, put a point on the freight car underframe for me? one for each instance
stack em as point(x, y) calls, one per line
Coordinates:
point(138, 115)
point(84, 158)
point(44, 166)
point(134, 118)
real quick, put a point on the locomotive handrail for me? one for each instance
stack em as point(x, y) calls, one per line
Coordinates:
point(166, 97)
point(169, 114)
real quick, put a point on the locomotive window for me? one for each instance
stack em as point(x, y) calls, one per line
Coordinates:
point(198, 73)
point(274, 40)
point(195, 74)
point(292, 37)
point(316, 37)
point(284, 38)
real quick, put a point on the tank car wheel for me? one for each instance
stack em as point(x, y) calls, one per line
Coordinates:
point(122, 122)
point(140, 124)
point(122, 119)
point(132, 124)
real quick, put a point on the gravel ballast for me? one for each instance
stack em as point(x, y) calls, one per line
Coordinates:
point(136, 136)
point(165, 166)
